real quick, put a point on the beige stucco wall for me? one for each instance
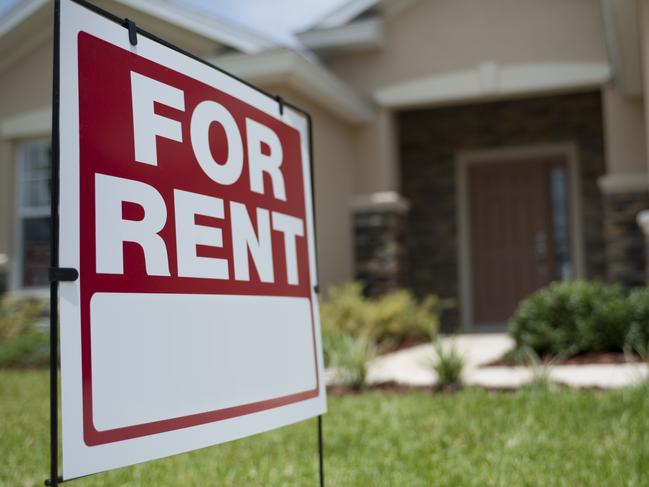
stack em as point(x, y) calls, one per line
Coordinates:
point(376, 167)
point(624, 125)
point(435, 36)
point(27, 84)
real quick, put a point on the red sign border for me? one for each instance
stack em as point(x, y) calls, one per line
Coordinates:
point(93, 437)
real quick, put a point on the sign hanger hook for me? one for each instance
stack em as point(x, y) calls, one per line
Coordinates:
point(132, 31)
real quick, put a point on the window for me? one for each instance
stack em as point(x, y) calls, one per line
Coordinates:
point(560, 222)
point(33, 212)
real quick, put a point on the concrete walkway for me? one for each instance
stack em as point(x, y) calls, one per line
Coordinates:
point(412, 366)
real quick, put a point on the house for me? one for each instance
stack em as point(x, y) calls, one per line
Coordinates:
point(477, 149)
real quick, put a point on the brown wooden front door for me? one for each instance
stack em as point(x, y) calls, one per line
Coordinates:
point(519, 241)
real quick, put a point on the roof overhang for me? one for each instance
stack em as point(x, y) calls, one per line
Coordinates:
point(34, 123)
point(23, 28)
point(308, 78)
point(345, 13)
point(353, 9)
point(208, 26)
point(364, 35)
point(494, 81)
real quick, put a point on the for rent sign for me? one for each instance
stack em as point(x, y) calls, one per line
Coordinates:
point(186, 206)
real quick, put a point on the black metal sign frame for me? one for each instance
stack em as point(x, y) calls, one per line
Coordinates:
point(58, 274)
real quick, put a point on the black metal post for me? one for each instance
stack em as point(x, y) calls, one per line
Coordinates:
point(317, 286)
point(54, 261)
point(320, 451)
point(54, 399)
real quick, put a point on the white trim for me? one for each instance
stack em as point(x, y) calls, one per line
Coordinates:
point(308, 78)
point(358, 36)
point(567, 150)
point(349, 11)
point(643, 221)
point(380, 201)
point(34, 123)
point(491, 81)
point(345, 13)
point(624, 183)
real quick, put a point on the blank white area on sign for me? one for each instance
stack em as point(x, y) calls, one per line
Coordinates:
point(164, 356)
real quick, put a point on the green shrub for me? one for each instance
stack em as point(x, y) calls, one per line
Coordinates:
point(394, 316)
point(30, 349)
point(637, 337)
point(572, 317)
point(349, 356)
point(345, 310)
point(18, 316)
point(22, 343)
point(448, 365)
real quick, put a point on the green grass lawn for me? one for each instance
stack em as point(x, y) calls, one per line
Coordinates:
point(473, 438)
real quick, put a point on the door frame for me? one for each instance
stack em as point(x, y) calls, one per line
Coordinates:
point(463, 160)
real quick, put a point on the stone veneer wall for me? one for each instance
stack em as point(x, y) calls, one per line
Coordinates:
point(379, 248)
point(430, 140)
point(625, 241)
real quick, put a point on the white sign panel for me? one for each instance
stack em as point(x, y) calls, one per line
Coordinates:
point(186, 206)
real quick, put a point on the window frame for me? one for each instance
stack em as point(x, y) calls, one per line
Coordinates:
point(21, 214)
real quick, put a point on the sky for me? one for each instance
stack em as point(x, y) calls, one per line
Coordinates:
point(274, 18)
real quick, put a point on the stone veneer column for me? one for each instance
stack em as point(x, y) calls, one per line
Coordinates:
point(379, 241)
point(625, 196)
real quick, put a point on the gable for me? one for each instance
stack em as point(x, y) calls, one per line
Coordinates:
point(440, 36)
